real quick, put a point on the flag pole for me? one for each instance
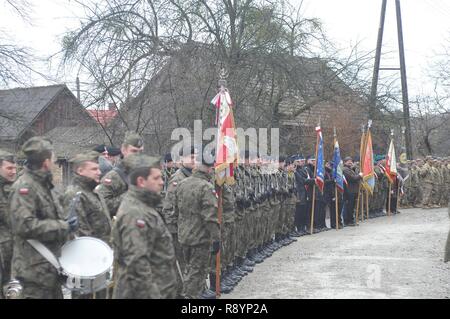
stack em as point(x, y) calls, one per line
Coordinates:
point(335, 186)
point(361, 160)
point(367, 205)
point(390, 184)
point(314, 186)
point(222, 84)
point(219, 215)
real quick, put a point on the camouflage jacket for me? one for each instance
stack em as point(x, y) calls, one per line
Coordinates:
point(228, 204)
point(113, 187)
point(5, 229)
point(36, 214)
point(168, 211)
point(143, 249)
point(196, 208)
point(93, 215)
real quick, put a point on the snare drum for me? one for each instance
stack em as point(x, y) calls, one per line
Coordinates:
point(88, 264)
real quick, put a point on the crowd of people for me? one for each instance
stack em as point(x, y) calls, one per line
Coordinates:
point(161, 217)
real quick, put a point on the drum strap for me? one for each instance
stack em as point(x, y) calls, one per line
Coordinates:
point(45, 252)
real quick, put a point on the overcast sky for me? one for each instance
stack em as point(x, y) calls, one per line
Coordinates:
point(426, 26)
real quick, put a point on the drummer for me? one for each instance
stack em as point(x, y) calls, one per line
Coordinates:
point(91, 209)
point(36, 214)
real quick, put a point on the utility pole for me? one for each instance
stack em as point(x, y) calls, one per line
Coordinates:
point(376, 67)
point(402, 69)
point(405, 101)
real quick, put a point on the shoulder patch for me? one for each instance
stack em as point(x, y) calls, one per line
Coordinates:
point(140, 223)
point(24, 191)
point(174, 183)
point(107, 181)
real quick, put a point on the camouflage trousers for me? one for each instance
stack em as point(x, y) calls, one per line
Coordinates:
point(228, 233)
point(242, 234)
point(267, 222)
point(427, 189)
point(180, 258)
point(289, 207)
point(197, 260)
point(32, 290)
point(6, 251)
point(251, 218)
point(259, 225)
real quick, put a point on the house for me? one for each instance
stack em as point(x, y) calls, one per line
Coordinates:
point(293, 100)
point(51, 111)
point(34, 111)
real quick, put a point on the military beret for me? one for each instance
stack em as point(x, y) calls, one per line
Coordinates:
point(90, 156)
point(310, 157)
point(348, 158)
point(133, 139)
point(7, 156)
point(100, 148)
point(168, 158)
point(113, 151)
point(136, 161)
point(282, 158)
point(37, 145)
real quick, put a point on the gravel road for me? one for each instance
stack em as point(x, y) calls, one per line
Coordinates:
point(400, 256)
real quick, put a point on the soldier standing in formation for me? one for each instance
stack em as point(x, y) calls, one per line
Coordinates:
point(36, 215)
point(115, 183)
point(168, 210)
point(8, 172)
point(351, 189)
point(198, 226)
point(143, 247)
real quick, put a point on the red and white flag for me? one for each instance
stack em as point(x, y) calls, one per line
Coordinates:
point(391, 164)
point(226, 148)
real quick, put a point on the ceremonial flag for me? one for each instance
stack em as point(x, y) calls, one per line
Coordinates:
point(367, 165)
point(320, 169)
point(226, 147)
point(391, 163)
point(338, 165)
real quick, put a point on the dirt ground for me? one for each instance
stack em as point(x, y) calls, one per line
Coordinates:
point(400, 256)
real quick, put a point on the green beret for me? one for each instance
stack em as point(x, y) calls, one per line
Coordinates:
point(133, 139)
point(90, 156)
point(7, 156)
point(36, 146)
point(136, 161)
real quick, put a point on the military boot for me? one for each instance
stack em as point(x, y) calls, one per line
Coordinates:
point(224, 288)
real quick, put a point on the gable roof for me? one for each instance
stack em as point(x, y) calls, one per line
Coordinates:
point(69, 141)
point(19, 107)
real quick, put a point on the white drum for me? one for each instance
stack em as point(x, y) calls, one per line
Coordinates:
point(88, 264)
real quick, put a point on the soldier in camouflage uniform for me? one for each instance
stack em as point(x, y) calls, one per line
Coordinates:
point(168, 211)
point(115, 183)
point(426, 179)
point(143, 248)
point(91, 209)
point(8, 172)
point(198, 226)
point(36, 214)
point(436, 181)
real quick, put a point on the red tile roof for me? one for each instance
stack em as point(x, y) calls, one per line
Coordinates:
point(104, 117)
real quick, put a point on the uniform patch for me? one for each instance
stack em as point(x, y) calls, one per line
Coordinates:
point(175, 183)
point(24, 191)
point(140, 223)
point(107, 181)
